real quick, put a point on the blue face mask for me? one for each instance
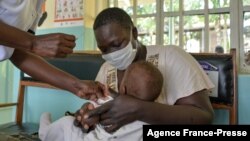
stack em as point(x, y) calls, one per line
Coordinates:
point(122, 58)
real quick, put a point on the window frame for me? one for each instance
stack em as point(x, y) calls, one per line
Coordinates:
point(235, 10)
point(241, 10)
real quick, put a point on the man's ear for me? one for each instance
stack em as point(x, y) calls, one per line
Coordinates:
point(135, 33)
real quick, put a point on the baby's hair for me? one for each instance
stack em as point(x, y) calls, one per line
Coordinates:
point(151, 75)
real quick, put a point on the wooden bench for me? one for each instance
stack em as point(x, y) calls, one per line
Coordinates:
point(227, 81)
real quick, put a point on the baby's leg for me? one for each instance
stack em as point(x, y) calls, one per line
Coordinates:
point(64, 130)
point(45, 121)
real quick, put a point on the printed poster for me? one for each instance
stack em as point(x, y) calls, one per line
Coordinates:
point(213, 74)
point(68, 13)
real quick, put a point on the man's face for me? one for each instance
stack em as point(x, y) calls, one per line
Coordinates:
point(111, 37)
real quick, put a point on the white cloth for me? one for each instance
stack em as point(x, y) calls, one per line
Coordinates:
point(45, 122)
point(100, 101)
point(22, 14)
point(64, 129)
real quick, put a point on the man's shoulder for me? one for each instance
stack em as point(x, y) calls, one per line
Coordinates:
point(160, 46)
point(163, 47)
point(168, 49)
point(106, 66)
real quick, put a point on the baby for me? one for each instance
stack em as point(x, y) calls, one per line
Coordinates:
point(141, 80)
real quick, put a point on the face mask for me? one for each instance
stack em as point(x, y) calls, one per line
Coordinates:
point(122, 58)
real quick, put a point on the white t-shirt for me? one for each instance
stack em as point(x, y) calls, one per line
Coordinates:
point(182, 74)
point(22, 14)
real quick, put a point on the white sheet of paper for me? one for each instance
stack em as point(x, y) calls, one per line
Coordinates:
point(214, 77)
point(26, 75)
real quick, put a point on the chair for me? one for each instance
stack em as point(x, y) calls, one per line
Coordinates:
point(225, 65)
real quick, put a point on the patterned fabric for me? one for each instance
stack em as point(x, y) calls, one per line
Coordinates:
point(111, 79)
point(154, 59)
point(19, 137)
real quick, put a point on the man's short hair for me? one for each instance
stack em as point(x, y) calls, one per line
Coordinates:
point(113, 15)
point(219, 49)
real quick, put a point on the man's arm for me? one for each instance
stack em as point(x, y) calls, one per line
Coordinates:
point(193, 109)
point(13, 37)
point(50, 45)
point(39, 69)
point(124, 109)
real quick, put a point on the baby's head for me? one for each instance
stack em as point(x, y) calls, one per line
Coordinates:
point(142, 80)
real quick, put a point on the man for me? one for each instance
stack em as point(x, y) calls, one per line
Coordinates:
point(219, 49)
point(24, 49)
point(184, 97)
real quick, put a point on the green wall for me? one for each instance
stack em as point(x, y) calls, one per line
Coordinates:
point(78, 31)
point(9, 80)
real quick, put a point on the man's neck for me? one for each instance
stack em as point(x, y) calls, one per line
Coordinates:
point(141, 53)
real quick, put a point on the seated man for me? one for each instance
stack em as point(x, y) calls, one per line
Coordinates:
point(141, 80)
point(219, 49)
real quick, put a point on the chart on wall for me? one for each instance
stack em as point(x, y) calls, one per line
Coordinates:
point(68, 13)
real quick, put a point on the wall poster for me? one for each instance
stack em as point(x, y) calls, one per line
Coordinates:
point(68, 13)
point(213, 73)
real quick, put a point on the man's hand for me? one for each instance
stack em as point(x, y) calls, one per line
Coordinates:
point(116, 113)
point(91, 90)
point(85, 124)
point(53, 45)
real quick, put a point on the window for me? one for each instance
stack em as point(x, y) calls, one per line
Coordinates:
point(245, 50)
point(144, 15)
point(194, 25)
